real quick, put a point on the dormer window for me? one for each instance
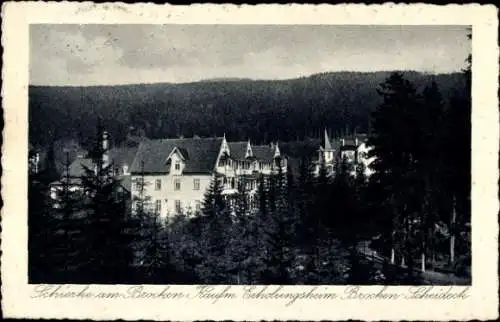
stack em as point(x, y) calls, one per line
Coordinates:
point(175, 160)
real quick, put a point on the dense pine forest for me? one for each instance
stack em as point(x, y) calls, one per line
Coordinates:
point(409, 223)
point(284, 110)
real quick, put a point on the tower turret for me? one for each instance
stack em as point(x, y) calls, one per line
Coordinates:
point(328, 145)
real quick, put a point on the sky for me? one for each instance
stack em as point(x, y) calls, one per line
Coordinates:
point(130, 54)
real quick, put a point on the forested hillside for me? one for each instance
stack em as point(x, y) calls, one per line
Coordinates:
point(261, 110)
point(409, 223)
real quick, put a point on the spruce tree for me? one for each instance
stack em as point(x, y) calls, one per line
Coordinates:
point(41, 229)
point(109, 255)
point(184, 236)
point(68, 220)
point(394, 135)
point(246, 261)
point(431, 166)
point(216, 224)
point(156, 259)
point(279, 236)
point(309, 232)
point(458, 158)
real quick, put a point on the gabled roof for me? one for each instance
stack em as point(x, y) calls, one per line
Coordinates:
point(126, 182)
point(76, 169)
point(334, 146)
point(260, 152)
point(181, 152)
point(238, 149)
point(119, 157)
point(263, 152)
point(349, 142)
point(122, 156)
point(200, 153)
point(351, 139)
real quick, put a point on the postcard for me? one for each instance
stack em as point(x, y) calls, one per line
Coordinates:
point(268, 162)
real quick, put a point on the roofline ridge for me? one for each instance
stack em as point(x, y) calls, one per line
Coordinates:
point(191, 138)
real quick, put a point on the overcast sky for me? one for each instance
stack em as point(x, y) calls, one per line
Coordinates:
point(124, 54)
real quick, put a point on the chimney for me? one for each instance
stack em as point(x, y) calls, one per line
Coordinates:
point(105, 140)
point(356, 140)
point(105, 147)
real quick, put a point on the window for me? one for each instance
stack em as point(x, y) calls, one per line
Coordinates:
point(177, 184)
point(196, 184)
point(223, 162)
point(139, 184)
point(157, 206)
point(178, 206)
point(177, 165)
point(198, 205)
point(158, 184)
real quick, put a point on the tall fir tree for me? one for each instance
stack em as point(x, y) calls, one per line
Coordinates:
point(246, 259)
point(156, 259)
point(458, 152)
point(216, 223)
point(394, 135)
point(431, 165)
point(280, 259)
point(41, 230)
point(68, 218)
point(109, 254)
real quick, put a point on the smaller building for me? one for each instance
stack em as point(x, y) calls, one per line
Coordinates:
point(352, 149)
point(118, 158)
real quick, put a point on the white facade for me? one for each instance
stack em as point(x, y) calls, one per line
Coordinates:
point(250, 168)
point(363, 157)
point(167, 194)
point(172, 192)
point(353, 150)
point(178, 188)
